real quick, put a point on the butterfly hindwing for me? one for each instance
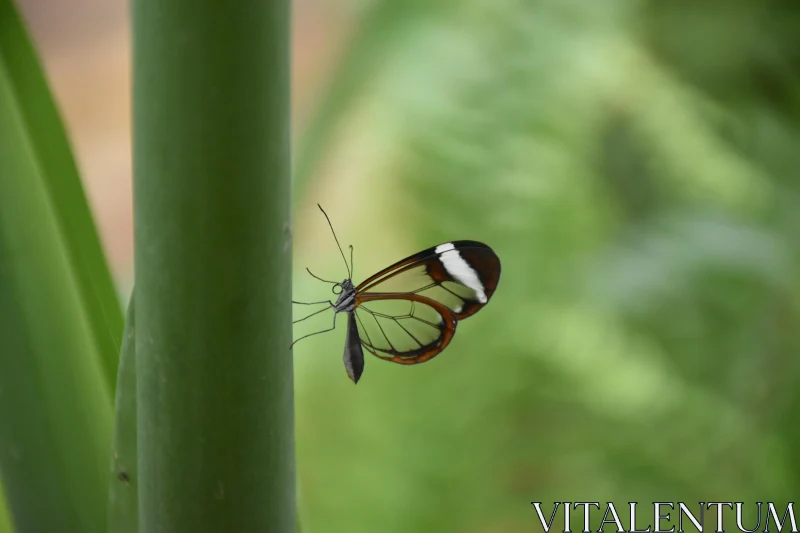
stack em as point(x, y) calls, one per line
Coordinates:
point(403, 328)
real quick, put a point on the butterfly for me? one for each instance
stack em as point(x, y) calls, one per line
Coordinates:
point(408, 312)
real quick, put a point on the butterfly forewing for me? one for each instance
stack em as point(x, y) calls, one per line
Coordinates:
point(461, 275)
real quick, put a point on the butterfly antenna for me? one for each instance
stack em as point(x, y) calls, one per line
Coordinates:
point(349, 273)
point(319, 278)
point(352, 267)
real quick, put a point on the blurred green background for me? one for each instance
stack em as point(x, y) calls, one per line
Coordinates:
point(634, 165)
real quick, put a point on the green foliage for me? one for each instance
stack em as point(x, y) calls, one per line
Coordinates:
point(60, 320)
point(47, 142)
point(634, 166)
point(214, 282)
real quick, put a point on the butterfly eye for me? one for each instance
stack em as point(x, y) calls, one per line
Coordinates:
point(337, 286)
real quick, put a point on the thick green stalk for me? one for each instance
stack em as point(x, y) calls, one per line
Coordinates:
point(5, 519)
point(213, 253)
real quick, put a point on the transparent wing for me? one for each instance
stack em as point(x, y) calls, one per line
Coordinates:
point(461, 275)
point(403, 328)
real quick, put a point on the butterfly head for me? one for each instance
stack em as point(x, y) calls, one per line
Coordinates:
point(344, 286)
point(347, 296)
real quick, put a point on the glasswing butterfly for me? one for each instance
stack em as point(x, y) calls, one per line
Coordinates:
point(407, 313)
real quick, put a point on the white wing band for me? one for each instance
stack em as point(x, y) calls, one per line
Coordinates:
point(460, 269)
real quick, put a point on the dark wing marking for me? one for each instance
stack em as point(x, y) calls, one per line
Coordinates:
point(425, 274)
point(403, 328)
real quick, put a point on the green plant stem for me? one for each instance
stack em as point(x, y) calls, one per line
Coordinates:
point(5, 519)
point(213, 254)
point(123, 511)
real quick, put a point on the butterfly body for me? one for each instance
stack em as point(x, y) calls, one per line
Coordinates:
point(408, 312)
point(353, 353)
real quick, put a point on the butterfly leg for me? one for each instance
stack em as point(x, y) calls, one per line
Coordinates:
point(314, 303)
point(330, 305)
point(317, 332)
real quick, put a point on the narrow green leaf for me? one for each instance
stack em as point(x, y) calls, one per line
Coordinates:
point(213, 254)
point(123, 511)
point(61, 184)
point(55, 413)
point(59, 317)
